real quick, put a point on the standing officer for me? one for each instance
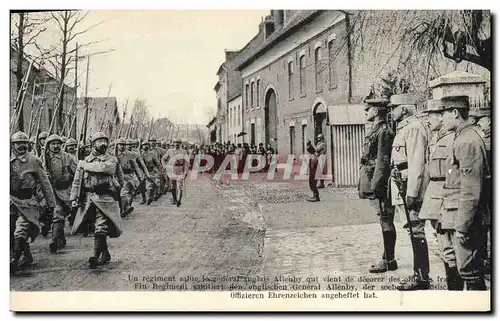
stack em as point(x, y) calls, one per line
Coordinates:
point(98, 205)
point(465, 192)
point(439, 148)
point(316, 160)
point(374, 177)
point(26, 172)
point(321, 151)
point(154, 168)
point(61, 168)
point(409, 156)
point(131, 173)
point(176, 164)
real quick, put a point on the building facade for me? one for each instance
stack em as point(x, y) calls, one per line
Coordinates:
point(235, 120)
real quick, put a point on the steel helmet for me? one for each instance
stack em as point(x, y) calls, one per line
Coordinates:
point(320, 136)
point(145, 143)
point(120, 141)
point(97, 136)
point(19, 137)
point(43, 135)
point(52, 138)
point(71, 142)
point(33, 140)
point(129, 141)
point(152, 139)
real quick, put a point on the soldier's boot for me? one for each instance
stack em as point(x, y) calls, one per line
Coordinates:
point(321, 184)
point(27, 258)
point(55, 238)
point(105, 256)
point(420, 280)
point(149, 196)
point(130, 200)
point(388, 262)
point(314, 198)
point(174, 196)
point(143, 201)
point(476, 285)
point(179, 198)
point(18, 251)
point(45, 230)
point(93, 260)
point(453, 279)
point(124, 206)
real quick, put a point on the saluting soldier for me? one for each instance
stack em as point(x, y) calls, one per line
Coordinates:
point(26, 172)
point(439, 148)
point(409, 156)
point(176, 164)
point(465, 192)
point(99, 204)
point(154, 168)
point(131, 173)
point(61, 168)
point(374, 177)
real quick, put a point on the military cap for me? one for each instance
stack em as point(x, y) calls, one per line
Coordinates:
point(130, 141)
point(152, 139)
point(120, 141)
point(376, 103)
point(458, 102)
point(70, 142)
point(433, 106)
point(53, 138)
point(43, 135)
point(97, 136)
point(19, 137)
point(403, 99)
point(480, 112)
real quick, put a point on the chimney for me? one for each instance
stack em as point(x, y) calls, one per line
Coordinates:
point(268, 26)
point(278, 16)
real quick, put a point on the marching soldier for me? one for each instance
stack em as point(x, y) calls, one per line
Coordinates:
point(97, 201)
point(439, 148)
point(26, 171)
point(374, 177)
point(70, 147)
point(85, 148)
point(465, 192)
point(159, 154)
point(61, 168)
point(132, 146)
point(154, 168)
point(131, 171)
point(409, 157)
point(176, 164)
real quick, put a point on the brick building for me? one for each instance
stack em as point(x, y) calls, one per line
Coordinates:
point(309, 77)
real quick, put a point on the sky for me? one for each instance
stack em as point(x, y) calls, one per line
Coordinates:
point(167, 57)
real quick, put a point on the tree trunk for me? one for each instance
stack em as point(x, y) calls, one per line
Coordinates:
point(60, 118)
point(19, 69)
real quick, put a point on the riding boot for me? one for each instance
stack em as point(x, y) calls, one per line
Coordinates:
point(55, 238)
point(59, 230)
point(130, 200)
point(18, 251)
point(453, 279)
point(420, 280)
point(388, 262)
point(179, 198)
point(27, 258)
point(476, 285)
point(149, 196)
point(93, 260)
point(174, 196)
point(105, 257)
point(143, 201)
point(124, 206)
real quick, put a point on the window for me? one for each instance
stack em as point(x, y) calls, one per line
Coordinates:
point(332, 66)
point(304, 139)
point(239, 114)
point(231, 117)
point(247, 88)
point(290, 79)
point(251, 94)
point(317, 69)
point(302, 63)
point(292, 140)
point(258, 93)
point(252, 134)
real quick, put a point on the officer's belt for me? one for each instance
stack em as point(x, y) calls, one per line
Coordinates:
point(23, 193)
point(437, 179)
point(402, 166)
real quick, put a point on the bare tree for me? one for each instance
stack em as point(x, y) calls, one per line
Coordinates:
point(26, 27)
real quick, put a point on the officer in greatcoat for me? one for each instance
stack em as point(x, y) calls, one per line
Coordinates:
point(61, 169)
point(26, 172)
point(131, 173)
point(439, 148)
point(408, 154)
point(374, 175)
point(97, 202)
point(176, 164)
point(465, 192)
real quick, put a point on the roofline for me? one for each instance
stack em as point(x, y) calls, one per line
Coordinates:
point(217, 85)
point(285, 34)
point(235, 97)
point(211, 122)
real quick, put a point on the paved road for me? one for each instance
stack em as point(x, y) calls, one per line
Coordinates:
point(198, 238)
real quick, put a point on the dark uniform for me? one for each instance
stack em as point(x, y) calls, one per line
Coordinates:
point(465, 193)
point(176, 170)
point(99, 204)
point(373, 181)
point(26, 172)
point(409, 150)
point(61, 168)
point(154, 169)
point(131, 173)
point(132, 146)
point(317, 159)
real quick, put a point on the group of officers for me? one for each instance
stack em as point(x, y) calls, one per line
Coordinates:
point(92, 186)
point(436, 168)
